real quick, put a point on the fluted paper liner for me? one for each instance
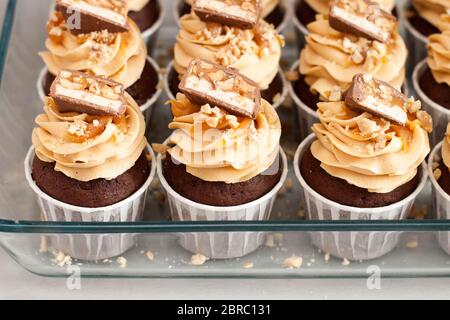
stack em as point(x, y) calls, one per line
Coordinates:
point(150, 35)
point(146, 108)
point(440, 114)
point(358, 245)
point(91, 247)
point(221, 245)
point(441, 200)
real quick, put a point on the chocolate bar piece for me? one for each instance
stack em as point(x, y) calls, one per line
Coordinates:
point(209, 83)
point(378, 98)
point(94, 15)
point(243, 14)
point(74, 91)
point(363, 19)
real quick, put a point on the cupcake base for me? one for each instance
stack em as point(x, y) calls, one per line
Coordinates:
point(147, 17)
point(438, 92)
point(276, 88)
point(338, 190)
point(141, 91)
point(91, 194)
point(420, 24)
point(303, 91)
point(219, 194)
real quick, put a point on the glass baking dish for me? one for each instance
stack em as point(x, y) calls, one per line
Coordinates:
point(157, 252)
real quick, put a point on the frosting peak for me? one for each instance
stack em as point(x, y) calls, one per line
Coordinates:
point(85, 147)
point(118, 56)
point(439, 56)
point(367, 151)
point(218, 147)
point(432, 11)
point(255, 53)
point(331, 59)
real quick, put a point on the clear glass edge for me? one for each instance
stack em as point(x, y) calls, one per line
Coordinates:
point(10, 226)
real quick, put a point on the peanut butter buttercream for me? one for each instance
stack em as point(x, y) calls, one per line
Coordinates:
point(367, 151)
point(331, 59)
point(439, 56)
point(118, 56)
point(218, 147)
point(446, 148)
point(432, 10)
point(87, 147)
point(323, 6)
point(255, 53)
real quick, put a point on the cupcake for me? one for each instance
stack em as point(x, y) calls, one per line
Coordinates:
point(331, 58)
point(255, 52)
point(364, 162)
point(224, 160)
point(148, 16)
point(119, 56)
point(306, 11)
point(439, 171)
point(431, 80)
point(90, 161)
point(274, 12)
point(421, 19)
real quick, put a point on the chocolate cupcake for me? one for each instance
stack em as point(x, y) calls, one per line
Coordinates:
point(223, 160)
point(148, 16)
point(332, 57)
point(421, 19)
point(439, 172)
point(255, 52)
point(431, 80)
point(274, 12)
point(364, 162)
point(89, 160)
point(120, 56)
point(305, 12)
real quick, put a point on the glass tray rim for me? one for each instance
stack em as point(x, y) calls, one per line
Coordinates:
point(11, 226)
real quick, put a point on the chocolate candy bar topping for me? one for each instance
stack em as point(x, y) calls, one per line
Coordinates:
point(209, 83)
point(74, 91)
point(378, 98)
point(363, 19)
point(86, 16)
point(243, 14)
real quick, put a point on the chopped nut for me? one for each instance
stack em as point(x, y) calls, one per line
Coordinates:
point(413, 105)
point(248, 265)
point(357, 57)
point(327, 257)
point(293, 262)
point(335, 94)
point(292, 75)
point(212, 122)
point(412, 244)
point(270, 241)
point(61, 259)
point(122, 262)
point(345, 262)
point(198, 260)
point(277, 98)
point(150, 256)
point(160, 148)
point(425, 120)
point(437, 174)
point(367, 127)
point(206, 109)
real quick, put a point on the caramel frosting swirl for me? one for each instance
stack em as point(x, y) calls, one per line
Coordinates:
point(432, 10)
point(120, 57)
point(323, 6)
point(444, 22)
point(267, 6)
point(218, 147)
point(368, 151)
point(85, 147)
point(331, 59)
point(255, 53)
point(439, 56)
point(446, 148)
point(137, 5)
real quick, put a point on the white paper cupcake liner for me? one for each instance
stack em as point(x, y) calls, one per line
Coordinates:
point(91, 247)
point(284, 23)
point(150, 35)
point(146, 108)
point(415, 41)
point(357, 245)
point(280, 77)
point(440, 115)
point(221, 245)
point(441, 203)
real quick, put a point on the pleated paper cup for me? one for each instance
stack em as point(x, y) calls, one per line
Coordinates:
point(415, 41)
point(146, 108)
point(221, 245)
point(441, 200)
point(177, 11)
point(91, 247)
point(440, 114)
point(358, 245)
point(150, 35)
point(170, 72)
